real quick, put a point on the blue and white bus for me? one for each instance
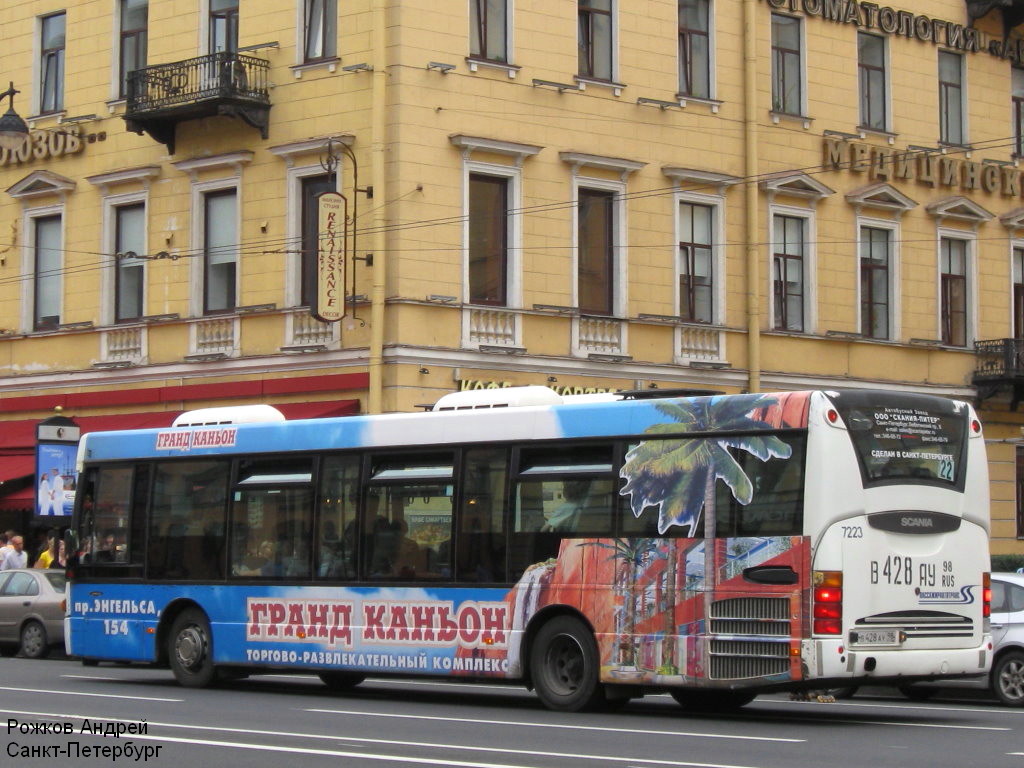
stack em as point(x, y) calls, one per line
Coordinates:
point(714, 547)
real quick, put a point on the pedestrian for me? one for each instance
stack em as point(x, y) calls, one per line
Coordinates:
point(16, 556)
point(48, 556)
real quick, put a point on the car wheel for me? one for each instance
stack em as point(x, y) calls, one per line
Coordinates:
point(703, 700)
point(341, 681)
point(33, 641)
point(1008, 679)
point(564, 666)
point(190, 649)
point(917, 692)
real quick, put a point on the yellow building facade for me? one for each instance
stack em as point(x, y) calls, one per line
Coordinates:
point(720, 195)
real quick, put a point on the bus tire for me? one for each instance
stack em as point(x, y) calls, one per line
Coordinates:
point(190, 650)
point(917, 692)
point(564, 666)
point(1008, 679)
point(704, 700)
point(341, 681)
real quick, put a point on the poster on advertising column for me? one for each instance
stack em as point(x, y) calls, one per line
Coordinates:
point(329, 296)
point(56, 479)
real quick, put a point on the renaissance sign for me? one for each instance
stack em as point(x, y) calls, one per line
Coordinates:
point(330, 258)
point(890, 21)
point(932, 168)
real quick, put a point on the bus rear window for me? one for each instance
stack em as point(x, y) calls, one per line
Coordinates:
point(905, 438)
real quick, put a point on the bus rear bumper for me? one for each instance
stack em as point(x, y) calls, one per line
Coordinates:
point(831, 659)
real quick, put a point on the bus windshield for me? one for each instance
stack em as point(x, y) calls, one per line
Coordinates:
point(905, 438)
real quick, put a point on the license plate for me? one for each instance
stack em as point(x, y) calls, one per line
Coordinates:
point(876, 637)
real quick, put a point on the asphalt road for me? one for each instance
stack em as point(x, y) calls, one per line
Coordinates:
point(51, 706)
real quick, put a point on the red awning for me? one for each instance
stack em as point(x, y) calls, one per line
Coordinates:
point(319, 410)
point(16, 465)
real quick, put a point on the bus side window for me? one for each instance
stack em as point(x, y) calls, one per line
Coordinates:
point(480, 549)
point(336, 533)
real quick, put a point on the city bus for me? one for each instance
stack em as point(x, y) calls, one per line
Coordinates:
point(593, 548)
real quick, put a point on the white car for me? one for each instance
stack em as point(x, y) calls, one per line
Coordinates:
point(1006, 680)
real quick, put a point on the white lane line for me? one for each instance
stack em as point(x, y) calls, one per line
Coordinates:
point(513, 687)
point(362, 740)
point(987, 709)
point(103, 695)
point(602, 729)
point(92, 677)
point(404, 759)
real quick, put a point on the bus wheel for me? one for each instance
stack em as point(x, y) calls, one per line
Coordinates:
point(917, 692)
point(564, 666)
point(191, 651)
point(341, 681)
point(1008, 679)
point(711, 701)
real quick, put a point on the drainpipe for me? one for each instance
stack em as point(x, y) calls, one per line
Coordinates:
point(378, 240)
point(750, 172)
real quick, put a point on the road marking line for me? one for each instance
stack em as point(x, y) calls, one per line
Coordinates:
point(990, 708)
point(93, 677)
point(361, 739)
point(603, 729)
point(104, 695)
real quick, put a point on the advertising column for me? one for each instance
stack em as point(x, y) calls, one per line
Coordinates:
point(56, 477)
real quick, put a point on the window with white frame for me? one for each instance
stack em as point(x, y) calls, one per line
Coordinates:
point(47, 261)
point(951, 97)
point(134, 39)
point(130, 271)
point(596, 267)
point(223, 25)
point(872, 79)
point(790, 254)
point(696, 262)
point(695, 48)
point(488, 29)
point(787, 65)
point(321, 30)
point(954, 305)
point(220, 250)
point(51, 62)
point(1017, 102)
point(595, 38)
point(1018, 291)
point(488, 239)
point(876, 280)
point(310, 189)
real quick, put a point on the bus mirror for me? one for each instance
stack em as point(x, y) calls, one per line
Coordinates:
point(771, 574)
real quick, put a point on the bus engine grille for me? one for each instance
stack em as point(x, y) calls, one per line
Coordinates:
point(734, 659)
point(751, 616)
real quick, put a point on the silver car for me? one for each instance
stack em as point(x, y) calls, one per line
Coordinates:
point(1006, 680)
point(31, 611)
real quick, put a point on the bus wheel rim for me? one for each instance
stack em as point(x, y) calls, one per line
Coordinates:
point(565, 664)
point(190, 647)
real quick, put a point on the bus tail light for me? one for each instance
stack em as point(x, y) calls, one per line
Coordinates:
point(986, 595)
point(828, 602)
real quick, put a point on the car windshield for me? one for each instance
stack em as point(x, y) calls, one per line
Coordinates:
point(57, 581)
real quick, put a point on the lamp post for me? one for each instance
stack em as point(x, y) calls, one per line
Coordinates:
point(13, 130)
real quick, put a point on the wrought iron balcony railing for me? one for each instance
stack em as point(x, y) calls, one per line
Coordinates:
point(222, 83)
point(999, 360)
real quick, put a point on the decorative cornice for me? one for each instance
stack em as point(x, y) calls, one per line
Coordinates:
point(143, 174)
point(233, 160)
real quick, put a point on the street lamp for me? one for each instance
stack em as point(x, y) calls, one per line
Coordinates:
point(13, 130)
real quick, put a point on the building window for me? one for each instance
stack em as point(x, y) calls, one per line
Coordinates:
point(1020, 492)
point(134, 38)
point(321, 24)
point(488, 239)
point(1018, 110)
point(953, 300)
point(595, 39)
point(790, 252)
point(595, 272)
point(46, 273)
point(1018, 292)
point(951, 86)
point(696, 262)
point(787, 65)
point(695, 48)
point(223, 25)
point(312, 188)
point(51, 63)
point(129, 277)
point(488, 20)
point(875, 281)
point(871, 69)
point(220, 250)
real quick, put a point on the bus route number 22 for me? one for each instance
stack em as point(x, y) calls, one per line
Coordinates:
point(901, 570)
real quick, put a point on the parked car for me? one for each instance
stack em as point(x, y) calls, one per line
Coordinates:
point(31, 611)
point(1006, 680)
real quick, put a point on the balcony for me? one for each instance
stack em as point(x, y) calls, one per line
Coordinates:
point(1000, 365)
point(222, 83)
